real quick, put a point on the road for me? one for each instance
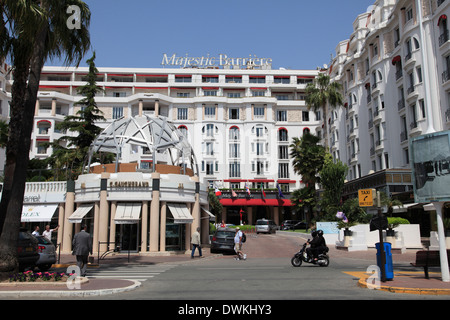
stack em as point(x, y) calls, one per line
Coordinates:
point(266, 275)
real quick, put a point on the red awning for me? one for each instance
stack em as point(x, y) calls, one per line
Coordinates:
point(260, 180)
point(257, 88)
point(210, 88)
point(396, 59)
point(151, 75)
point(286, 181)
point(442, 17)
point(256, 202)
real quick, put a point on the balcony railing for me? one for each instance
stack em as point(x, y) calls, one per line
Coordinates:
point(443, 38)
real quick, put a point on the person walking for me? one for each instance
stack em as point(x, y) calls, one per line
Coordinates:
point(196, 243)
point(82, 246)
point(36, 231)
point(238, 245)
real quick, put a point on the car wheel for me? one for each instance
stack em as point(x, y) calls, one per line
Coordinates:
point(44, 267)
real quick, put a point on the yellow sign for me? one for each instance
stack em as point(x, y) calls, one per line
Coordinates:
point(365, 197)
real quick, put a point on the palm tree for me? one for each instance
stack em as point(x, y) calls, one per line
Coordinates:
point(321, 93)
point(33, 31)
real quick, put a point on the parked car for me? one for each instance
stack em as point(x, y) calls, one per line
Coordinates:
point(47, 253)
point(27, 250)
point(223, 240)
point(266, 226)
point(293, 225)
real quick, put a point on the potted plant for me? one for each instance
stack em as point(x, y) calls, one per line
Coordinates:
point(345, 224)
point(393, 222)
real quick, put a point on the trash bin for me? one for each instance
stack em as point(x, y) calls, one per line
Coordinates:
point(389, 270)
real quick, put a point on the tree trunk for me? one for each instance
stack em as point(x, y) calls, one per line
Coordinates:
point(17, 157)
point(325, 126)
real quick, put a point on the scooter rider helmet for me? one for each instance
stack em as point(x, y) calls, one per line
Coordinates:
point(314, 233)
point(320, 232)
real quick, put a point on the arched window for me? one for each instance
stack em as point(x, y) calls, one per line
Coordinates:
point(184, 130)
point(234, 133)
point(283, 134)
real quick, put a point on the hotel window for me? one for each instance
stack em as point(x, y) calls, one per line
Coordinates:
point(282, 115)
point(259, 148)
point(183, 94)
point(183, 78)
point(235, 170)
point(258, 93)
point(257, 79)
point(210, 112)
point(409, 14)
point(259, 167)
point(210, 130)
point(283, 170)
point(119, 94)
point(305, 115)
point(234, 133)
point(233, 80)
point(283, 152)
point(282, 135)
point(209, 167)
point(212, 79)
point(283, 80)
point(183, 130)
point(182, 113)
point(210, 93)
point(282, 96)
point(117, 112)
point(209, 148)
point(259, 130)
point(233, 95)
point(233, 113)
point(258, 112)
point(234, 150)
point(42, 147)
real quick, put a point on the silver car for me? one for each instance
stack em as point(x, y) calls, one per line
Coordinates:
point(266, 226)
point(47, 253)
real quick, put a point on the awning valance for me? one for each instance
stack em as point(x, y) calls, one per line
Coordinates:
point(128, 213)
point(38, 213)
point(79, 214)
point(180, 213)
point(210, 215)
point(396, 59)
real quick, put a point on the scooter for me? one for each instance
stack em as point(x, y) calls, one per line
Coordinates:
point(302, 256)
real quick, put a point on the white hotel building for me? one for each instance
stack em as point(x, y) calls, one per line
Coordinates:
point(239, 119)
point(394, 69)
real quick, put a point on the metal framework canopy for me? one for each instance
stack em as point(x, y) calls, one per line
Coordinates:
point(145, 136)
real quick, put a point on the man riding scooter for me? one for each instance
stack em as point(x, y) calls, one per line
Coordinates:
point(317, 245)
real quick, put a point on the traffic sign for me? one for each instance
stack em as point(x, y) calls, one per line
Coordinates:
point(366, 197)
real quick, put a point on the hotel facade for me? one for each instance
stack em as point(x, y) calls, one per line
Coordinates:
point(394, 70)
point(239, 116)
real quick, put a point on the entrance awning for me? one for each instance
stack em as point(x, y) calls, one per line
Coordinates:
point(180, 213)
point(38, 213)
point(210, 215)
point(79, 214)
point(405, 207)
point(128, 213)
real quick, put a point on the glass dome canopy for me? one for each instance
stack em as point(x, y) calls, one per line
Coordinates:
point(133, 139)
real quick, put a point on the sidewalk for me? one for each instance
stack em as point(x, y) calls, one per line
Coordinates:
point(91, 286)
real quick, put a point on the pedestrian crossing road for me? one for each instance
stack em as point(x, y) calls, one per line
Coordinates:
point(139, 272)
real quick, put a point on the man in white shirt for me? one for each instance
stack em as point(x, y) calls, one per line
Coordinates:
point(48, 232)
point(36, 231)
point(238, 245)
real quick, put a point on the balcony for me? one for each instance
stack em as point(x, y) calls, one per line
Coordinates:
point(443, 38)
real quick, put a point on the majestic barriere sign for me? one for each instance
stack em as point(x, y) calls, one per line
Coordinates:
point(222, 61)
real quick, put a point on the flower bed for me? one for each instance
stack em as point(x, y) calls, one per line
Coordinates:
point(30, 276)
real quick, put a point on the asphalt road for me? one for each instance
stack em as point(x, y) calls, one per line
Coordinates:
point(266, 276)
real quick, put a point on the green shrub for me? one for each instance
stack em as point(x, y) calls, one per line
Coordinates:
point(394, 222)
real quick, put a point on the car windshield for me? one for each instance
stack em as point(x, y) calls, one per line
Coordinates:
point(262, 222)
point(224, 233)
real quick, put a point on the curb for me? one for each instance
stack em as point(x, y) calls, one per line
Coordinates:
point(420, 291)
point(69, 293)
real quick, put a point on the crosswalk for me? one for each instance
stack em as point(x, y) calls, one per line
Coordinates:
point(134, 272)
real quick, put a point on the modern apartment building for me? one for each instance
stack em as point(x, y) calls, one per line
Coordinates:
point(394, 69)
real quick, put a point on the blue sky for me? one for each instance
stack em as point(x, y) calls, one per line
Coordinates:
point(296, 34)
